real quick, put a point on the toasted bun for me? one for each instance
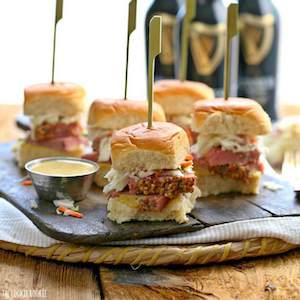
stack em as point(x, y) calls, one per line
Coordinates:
point(178, 97)
point(117, 114)
point(125, 208)
point(27, 152)
point(210, 184)
point(234, 116)
point(164, 146)
point(64, 99)
point(99, 179)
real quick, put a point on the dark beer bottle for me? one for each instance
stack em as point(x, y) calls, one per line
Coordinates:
point(167, 9)
point(206, 43)
point(258, 53)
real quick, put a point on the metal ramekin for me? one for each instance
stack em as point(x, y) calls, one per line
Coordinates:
point(57, 187)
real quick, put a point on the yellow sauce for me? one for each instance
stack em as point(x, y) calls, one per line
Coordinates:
point(63, 168)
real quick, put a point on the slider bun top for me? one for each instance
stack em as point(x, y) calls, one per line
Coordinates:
point(137, 147)
point(117, 114)
point(60, 98)
point(178, 97)
point(233, 116)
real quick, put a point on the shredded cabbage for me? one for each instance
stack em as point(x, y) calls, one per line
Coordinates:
point(104, 149)
point(95, 132)
point(52, 119)
point(116, 181)
point(231, 142)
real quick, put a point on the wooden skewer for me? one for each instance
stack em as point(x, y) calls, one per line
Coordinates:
point(58, 17)
point(189, 15)
point(131, 28)
point(154, 50)
point(232, 30)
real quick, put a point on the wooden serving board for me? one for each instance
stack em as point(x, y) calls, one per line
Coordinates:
point(95, 228)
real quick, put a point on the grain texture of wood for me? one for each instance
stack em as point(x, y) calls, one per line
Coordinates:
point(274, 278)
point(20, 275)
point(215, 210)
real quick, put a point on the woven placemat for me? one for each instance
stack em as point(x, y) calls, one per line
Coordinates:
point(156, 255)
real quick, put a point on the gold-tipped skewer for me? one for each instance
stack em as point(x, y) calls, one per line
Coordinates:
point(58, 17)
point(190, 6)
point(131, 28)
point(232, 30)
point(154, 50)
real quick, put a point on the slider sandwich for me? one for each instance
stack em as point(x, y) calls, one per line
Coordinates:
point(177, 98)
point(107, 116)
point(55, 111)
point(152, 174)
point(227, 153)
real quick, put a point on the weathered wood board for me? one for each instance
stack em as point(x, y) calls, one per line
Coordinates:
point(215, 210)
point(95, 228)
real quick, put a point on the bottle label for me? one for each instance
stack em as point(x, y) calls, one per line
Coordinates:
point(167, 55)
point(257, 35)
point(259, 88)
point(207, 43)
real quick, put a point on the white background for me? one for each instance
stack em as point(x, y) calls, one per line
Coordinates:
point(91, 47)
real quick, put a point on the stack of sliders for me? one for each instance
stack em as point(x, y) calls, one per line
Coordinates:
point(177, 98)
point(55, 111)
point(227, 153)
point(107, 116)
point(152, 177)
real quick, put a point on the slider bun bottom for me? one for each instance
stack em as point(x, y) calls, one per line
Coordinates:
point(122, 209)
point(210, 184)
point(26, 152)
point(99, 179)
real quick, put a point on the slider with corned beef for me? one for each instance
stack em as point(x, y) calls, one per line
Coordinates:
point(55, 111)
point(227, 152)
point(177, 98)
point(152, 174)
point(107, 116)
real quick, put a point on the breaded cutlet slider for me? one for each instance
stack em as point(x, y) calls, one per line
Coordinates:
point(152, 175)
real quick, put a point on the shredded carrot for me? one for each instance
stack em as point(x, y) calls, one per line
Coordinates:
point(189, 157)
point(186, 163)
point(26, 182)
point(70, 212)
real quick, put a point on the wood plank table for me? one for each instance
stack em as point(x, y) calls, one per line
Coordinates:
point(21, 277)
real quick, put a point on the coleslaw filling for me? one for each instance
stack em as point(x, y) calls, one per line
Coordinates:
point(232, 143)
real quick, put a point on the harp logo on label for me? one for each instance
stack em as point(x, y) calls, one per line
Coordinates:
point(207, 43)
point(167, 56)
point(257, 35)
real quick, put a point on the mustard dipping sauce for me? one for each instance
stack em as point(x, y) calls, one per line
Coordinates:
point(63, 168)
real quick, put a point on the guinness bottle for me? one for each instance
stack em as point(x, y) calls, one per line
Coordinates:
point(258, 53)
point(206, 43)
point(167, 9)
